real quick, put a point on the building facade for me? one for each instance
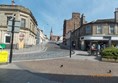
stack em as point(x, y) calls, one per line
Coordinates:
point(28, 28)
point(102, 31)
point(41, 37)
point(72, 24)
point(54, 37)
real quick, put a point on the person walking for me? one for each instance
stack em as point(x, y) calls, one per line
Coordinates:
point(98, 49)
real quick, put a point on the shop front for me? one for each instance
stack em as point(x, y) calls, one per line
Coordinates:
point(104, 41)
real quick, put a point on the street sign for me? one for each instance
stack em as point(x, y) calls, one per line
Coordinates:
point(2, 46)
point(16, 26)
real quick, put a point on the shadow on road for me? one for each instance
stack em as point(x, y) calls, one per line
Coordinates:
point(24, 76)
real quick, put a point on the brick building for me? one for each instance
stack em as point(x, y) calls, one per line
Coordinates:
point(72, 24)
point(53, 37)
point(102, 32)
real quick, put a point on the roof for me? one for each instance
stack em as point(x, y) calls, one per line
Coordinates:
point(105, 20)
point(17, 8)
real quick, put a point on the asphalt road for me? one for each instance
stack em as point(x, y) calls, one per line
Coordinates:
point(51, 50)
point(64, 70)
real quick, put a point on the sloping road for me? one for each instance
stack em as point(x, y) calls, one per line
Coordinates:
point(51, 51)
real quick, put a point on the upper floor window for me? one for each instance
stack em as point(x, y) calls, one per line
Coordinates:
point(8, 18)
point(23, 22)
point(99, 29)
point(88, 29)
point(111, 29)
point(7, 38)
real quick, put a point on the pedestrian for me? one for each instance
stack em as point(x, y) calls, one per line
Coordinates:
point(98, 49)
point(93, 49)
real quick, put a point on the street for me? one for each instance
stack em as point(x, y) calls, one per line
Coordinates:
point(51, 50)
point(58, 41)
point(48, 67)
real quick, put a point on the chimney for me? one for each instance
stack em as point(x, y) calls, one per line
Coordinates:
point(75, 15)
point(83, 21)
point(116, 14)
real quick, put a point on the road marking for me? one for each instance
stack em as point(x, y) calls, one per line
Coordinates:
point(30, 52)
point(101, 75)
point(40, 59)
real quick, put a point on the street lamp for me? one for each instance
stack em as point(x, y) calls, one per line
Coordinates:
point(70, 44)
point(12, 38)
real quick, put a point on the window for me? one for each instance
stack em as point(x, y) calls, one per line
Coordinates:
point(99, 29)
point(88, 29)
point(7, 39)
point(8, 18)
point(111, 29)
point(23, 22)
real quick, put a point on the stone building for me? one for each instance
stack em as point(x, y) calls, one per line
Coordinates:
point(28, 28)
point(102, 32)
point(72, 24)
point(41, 37)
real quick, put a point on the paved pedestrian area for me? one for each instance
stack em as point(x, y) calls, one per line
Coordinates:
point(70, 66)
point(84, 55)
point(64, 70)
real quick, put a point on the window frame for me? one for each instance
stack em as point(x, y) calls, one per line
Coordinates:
point(23, 22)
point(99, 29)
point(88, 31)
point(7, 35)
point(111, 28)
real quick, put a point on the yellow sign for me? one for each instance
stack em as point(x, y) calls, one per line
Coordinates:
point(3, 56)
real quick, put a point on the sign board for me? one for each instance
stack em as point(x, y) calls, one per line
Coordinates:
point(16, 26)
point(4, 56)
point(2, 46)
point(106, 37)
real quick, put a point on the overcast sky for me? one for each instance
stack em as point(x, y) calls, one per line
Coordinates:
point(51, 13)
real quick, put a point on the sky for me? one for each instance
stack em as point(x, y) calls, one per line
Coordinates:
point(52, 13)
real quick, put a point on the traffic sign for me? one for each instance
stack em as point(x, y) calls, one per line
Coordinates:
point(16, 26)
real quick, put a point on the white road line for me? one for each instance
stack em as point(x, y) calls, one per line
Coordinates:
point(44, 49)
point(41, 59)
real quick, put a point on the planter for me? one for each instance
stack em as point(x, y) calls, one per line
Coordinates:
point(109, 60)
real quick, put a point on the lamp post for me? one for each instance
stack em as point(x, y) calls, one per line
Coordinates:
point(12, 38)
point(74, 34)
point(70, 44)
